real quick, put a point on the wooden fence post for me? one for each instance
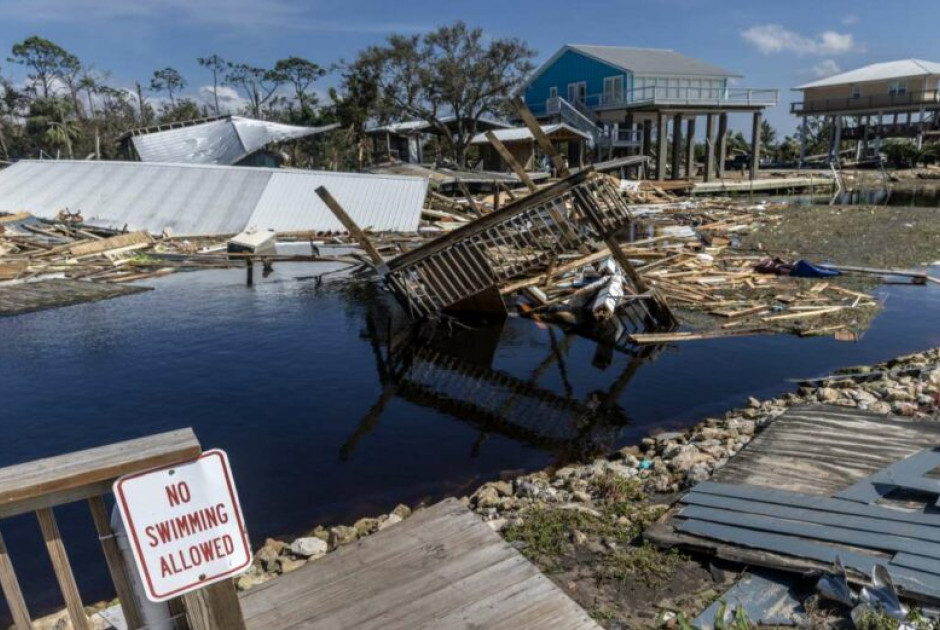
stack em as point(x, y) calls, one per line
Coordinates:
point(215, 607)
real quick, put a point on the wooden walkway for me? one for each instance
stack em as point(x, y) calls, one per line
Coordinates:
point(823, 449)
point(749, 513)
point(16, 299)
point(441, 568)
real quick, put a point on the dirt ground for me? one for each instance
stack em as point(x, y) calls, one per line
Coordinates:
point(853, 235)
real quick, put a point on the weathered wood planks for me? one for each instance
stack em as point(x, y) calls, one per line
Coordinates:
point(819, 449)
point(442, 568)
point(774, 504)
point(16, 299)
point(49, 482)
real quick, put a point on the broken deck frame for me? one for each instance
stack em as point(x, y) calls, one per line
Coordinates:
point(519, 239)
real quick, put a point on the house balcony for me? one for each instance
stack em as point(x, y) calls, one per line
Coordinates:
point(671, 96)
point(872, 103)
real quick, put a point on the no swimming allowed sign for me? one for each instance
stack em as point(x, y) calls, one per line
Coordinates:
point(185, 525)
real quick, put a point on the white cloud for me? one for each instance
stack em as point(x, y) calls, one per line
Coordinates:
point(826, 68)
point(850, 19)
point(773, 38)
point(246, 14)
point(230, 101)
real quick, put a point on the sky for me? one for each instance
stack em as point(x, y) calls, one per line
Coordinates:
point(774, 44)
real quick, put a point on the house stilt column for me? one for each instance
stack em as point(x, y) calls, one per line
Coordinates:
point(804, 129)
point(755, 145)
point(690, 148)
point(709, 147)
point(676, 145)
point(722, 144)
point(661, 123)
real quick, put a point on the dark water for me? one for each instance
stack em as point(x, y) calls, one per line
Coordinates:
point(330, 409)
point(925, 197)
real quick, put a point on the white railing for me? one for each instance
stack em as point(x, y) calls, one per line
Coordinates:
point(682, 95)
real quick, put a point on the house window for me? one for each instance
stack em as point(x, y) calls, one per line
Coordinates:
point(577, 92)
point(553, 92)
point(856, 90)
point(613, 89)
point(897, 88)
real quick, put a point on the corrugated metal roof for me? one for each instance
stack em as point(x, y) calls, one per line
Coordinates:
point(224, 141)
point(376, 202)
point(423, 126)
point(195, 200)
point(522, 133)
point(879, 72)
point(652, 61)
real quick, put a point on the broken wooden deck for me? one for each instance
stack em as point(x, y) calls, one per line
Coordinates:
point(442, 568)
point(16, 299)
point(771, 504)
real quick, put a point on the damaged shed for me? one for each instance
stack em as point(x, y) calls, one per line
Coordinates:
point(202, 200)
point(520, 142)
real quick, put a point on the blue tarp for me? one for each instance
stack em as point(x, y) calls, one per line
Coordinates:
point(806, 269)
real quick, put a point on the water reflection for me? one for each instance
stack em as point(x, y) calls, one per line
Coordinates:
point(450, 370)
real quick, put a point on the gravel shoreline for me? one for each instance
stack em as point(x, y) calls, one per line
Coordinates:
point(600, 508)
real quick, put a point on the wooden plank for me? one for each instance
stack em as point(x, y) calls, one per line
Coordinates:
point(918, 582)
point(821, 450)
point(828, 514)
point(508, 157)
point(820, 504)
point(814, 531)
point(112, 555)
point(120, 241)
point(354, 230)
point(28, 297)
point(62, 568)
point(48, 482)
point(544, 143)
point(215, 607)
point(12, 592)
point(442, 568)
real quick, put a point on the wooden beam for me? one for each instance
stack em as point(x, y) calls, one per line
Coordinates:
point(62, 568)
point(354, 230)
point(215, 607)
point(76, 476)
point(470, 200)
point(511, 160)
point(544, 143)
point(12, 592)
point(116, 567)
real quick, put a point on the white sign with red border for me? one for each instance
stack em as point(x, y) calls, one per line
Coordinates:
point(185, 525)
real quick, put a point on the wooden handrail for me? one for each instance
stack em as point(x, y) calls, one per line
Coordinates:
point(45, 483)
point(40, 485)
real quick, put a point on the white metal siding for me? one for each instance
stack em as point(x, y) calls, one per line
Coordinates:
point(195, 200)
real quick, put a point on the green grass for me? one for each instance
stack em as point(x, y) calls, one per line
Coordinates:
point(644, 563)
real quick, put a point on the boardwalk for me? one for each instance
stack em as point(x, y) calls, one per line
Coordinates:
point(442, 568)
point(16, 299)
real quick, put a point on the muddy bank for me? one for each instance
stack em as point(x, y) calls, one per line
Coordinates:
point(852, 235)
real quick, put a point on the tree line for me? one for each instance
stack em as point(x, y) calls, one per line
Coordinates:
point(452, 75)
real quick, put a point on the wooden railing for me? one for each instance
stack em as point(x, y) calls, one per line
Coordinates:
point(39, 486)
point(871, 101)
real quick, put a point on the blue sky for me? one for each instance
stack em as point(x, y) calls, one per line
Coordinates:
point(773, 43)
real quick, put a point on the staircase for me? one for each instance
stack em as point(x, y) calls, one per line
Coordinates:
point(578, 116)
